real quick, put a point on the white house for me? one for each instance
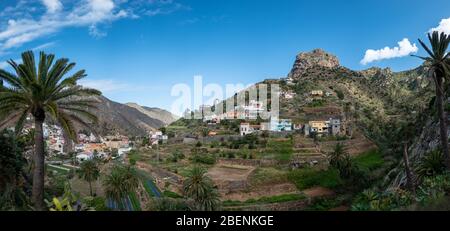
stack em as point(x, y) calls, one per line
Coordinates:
point(278, 125)
point(84, 156)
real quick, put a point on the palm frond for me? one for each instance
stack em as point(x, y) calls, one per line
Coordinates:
point(21, 121)
point(430, 53)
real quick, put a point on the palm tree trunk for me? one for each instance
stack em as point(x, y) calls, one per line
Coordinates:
point(409, 176)
point(38, 172)
point(442, 120)
point(90, 188)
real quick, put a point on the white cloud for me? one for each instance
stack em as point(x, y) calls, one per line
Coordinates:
point(5, 64)
point(44, 46)
point(52, 6)
point(31, 24)
point(404, 48)
point(444, 26)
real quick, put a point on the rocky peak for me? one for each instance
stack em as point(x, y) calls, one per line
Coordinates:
point(315, 58)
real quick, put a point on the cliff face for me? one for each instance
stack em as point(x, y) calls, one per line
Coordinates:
point(316, 58)
point(429, 140)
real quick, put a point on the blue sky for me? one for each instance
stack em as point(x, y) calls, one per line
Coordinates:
point(135, 51)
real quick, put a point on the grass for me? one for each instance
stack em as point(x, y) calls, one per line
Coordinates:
point(279, 149)
point(58, 170)
point(264, 176)
point(370, 160)
point(266, 200)
point(171, 194)
point(324, 204)
point(307, 178)
point(134, 156)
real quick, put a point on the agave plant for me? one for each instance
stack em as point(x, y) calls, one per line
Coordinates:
point(431, 165)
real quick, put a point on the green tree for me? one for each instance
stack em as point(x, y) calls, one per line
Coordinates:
point(200, 189)
point(341, 160)
point(89, 172)
point(439, 71)
point(43, 90)
point(12, 162)
point(122, 181)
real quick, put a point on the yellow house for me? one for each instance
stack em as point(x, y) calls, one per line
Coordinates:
point(318, 126)
point(317, 93)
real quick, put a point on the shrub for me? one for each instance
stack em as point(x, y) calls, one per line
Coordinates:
point(431, 165)
point(204, 159)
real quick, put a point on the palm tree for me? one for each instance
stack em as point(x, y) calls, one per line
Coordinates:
point(341, 160)
point(200, 188)
point(44, 92)
point(89, 171)
point(439, 71)
point(122, 181)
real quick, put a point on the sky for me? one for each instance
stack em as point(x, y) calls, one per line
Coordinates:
point(137, 50)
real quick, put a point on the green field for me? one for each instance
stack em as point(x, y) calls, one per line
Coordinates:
point(266, 200)
point(307, 178)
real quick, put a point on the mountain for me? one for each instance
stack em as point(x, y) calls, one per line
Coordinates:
point(156, 113)
point(129, 120)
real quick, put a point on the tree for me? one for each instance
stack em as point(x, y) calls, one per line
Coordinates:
point(439, 71)
point(340, 160)
point(200, 189)
point(12, 162)
point(120, 183)
point(89, 172)
point(43, 92)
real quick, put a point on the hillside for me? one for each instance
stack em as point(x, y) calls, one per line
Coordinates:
point(156, 113)
point(131, 120)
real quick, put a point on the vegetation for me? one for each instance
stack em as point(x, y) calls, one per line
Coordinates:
point(122, 181)
point(43, 90)
point(431, 165)
point(307, 178)
point(12, 165)
point(432, 194)
point(201, 190)
point(370, 160)
point(439, 72)
point(89, 172)
point(267, 200)
point(279, 149)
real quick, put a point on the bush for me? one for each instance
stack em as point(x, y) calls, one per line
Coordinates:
point(340, 94)
point(369, 161)
point(204, 159)
point(431, 165)
point(97, 203)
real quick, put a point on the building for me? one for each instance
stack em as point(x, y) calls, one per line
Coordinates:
point(279, 125)
point(324, 127)
point(247, 128)
point(84, 157)
point(316, 93)
point(288, 94)
point(335, 125)
point(318, 127)
point(290, 81)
